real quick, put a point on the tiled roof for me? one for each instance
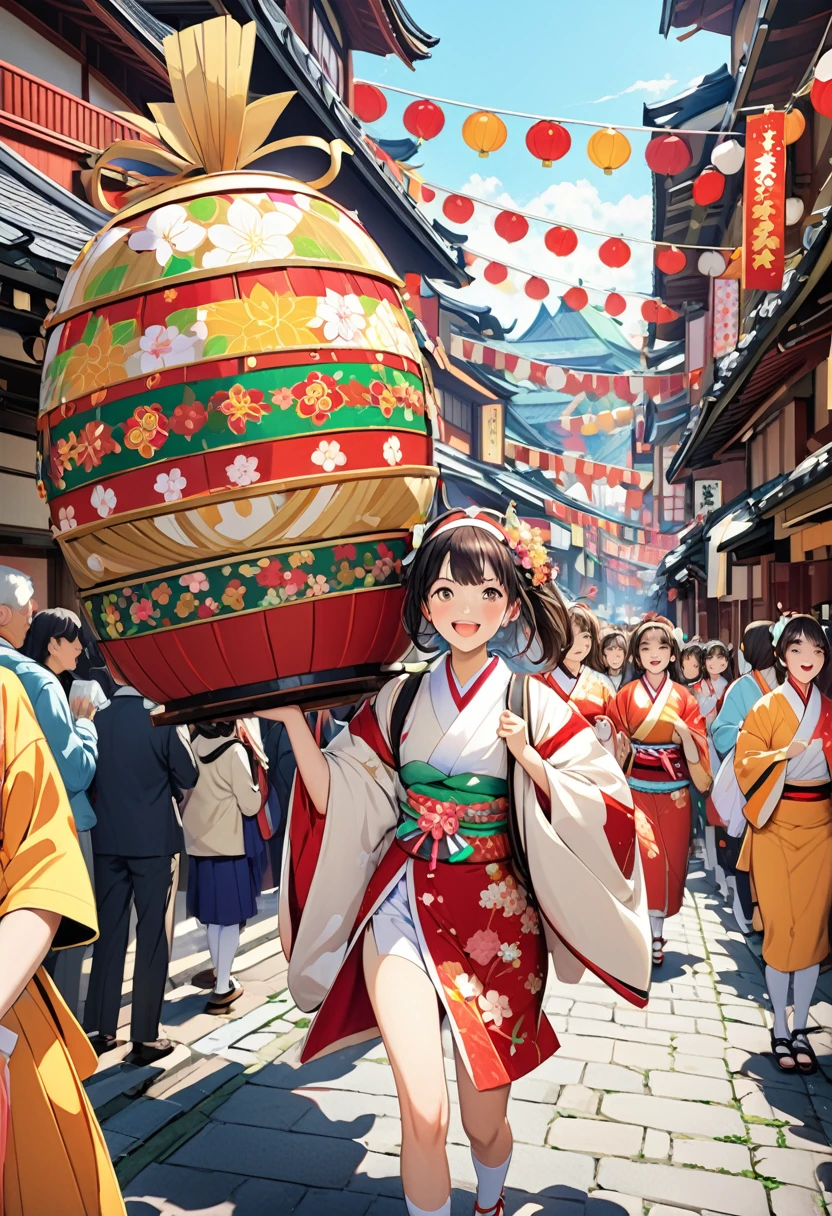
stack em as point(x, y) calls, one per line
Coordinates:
point(39, 215)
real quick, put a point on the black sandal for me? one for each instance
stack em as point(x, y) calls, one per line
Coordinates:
point(804, 1048)
point(787, 1053)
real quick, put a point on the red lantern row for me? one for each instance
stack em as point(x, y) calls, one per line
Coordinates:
point(577, 298)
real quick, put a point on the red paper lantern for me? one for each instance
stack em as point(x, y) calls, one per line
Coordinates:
point(622, 390)
point(424, 119)
point(821, 94)
point(536, 289)
point(368, 102)
point(561, 241)
point(649, 311)
point(575, 298)
point(708, 187)
point(614, 252)
point(668, 154)
point(656, 311)
point(671, 261)
point(428, 195)
point(615, 304)
point(511, 226)
point(495, 272)
point(457, 208)
point(548, 141)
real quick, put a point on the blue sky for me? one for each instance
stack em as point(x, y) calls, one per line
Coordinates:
point(555, 58)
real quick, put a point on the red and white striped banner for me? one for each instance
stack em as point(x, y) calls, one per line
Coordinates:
point(586, 471)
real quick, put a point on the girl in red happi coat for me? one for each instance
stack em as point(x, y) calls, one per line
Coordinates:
point(669, 752)
point(467, 825)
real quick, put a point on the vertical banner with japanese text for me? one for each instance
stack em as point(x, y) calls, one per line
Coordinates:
point(764, 202)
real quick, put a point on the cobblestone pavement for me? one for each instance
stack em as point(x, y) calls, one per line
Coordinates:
point(640, 1112)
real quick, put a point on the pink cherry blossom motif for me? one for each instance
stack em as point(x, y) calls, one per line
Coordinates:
point(495, 1008)
point(533, 983)
point(243, 471)
point(468, 986)
point(170, 485)
point(66, 518)
point(341, 317)
point(164, 346)
point(195, 581)
point(483, 946)
point(427, 899)
point(513, 901)
point(529, 921)
point(103, 501)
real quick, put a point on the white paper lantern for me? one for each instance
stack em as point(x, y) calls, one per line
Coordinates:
point(555, 378)
point(711, 263)
point(794, 211)
point(728, 156)
point(823, 71)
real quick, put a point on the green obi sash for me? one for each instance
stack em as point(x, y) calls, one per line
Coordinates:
point(433, 819)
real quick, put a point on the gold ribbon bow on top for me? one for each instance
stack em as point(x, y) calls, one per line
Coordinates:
point(208, 127)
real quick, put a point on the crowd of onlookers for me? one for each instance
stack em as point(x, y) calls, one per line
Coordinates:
point(148, 802)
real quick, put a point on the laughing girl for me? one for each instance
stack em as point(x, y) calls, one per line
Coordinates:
point(465, 827)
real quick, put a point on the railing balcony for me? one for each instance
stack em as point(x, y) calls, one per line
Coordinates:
point(30, 104)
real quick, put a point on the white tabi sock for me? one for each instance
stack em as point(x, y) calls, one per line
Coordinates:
point(804, 989)
point(229, 940)
point(490, 1182)
point(412, 1210)
point(777, 983)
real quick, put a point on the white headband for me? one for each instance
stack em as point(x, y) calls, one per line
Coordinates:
point(468, 522)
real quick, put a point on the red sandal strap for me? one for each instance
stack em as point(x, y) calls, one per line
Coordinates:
point(498, 1209)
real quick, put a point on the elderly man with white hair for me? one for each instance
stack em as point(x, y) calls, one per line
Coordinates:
point(69, 732)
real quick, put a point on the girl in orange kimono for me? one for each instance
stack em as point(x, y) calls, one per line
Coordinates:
point(450, 841)
point(56, 1161)
point(783, 761)
point(579, 677)
point(669, 751)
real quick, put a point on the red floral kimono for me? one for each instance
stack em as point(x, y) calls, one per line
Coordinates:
point(434, 836)
point(590, 691)
point(659, 776)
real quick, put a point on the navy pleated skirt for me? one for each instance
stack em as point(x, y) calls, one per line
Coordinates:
point(224, 890)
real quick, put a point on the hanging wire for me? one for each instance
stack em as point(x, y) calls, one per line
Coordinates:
point(550, 278)
point(551, 221)
point(575, 122)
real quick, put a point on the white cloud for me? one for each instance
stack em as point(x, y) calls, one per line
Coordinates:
point(655, 88)
point(565, 203)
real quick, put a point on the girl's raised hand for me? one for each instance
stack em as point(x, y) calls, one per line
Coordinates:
point(513, 730)
point(280, 713)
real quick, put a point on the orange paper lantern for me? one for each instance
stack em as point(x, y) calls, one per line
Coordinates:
point(511, 226)
point(561, 241)
point(794, 124)
point(575, 298)
point(536, 289)
point(614, 252)
point(368, 102)
point(548, 141)
point(608, 149)
point(424, 119)
point(484, 132)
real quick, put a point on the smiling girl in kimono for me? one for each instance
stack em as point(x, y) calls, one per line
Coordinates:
point(709, 691)
point(466, 825)
point(669, 752)
point(614, 657)
point(783, 760)
point(579, 678)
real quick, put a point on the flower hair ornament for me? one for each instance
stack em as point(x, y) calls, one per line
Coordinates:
point(525, 542)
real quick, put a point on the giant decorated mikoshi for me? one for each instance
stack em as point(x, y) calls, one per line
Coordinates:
point(235, 429)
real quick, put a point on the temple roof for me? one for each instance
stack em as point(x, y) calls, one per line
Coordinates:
point(589, 340)
point(384, 27)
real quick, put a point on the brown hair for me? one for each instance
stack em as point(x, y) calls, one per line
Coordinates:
point(614, 637)
point(640, 632)
point(803, 626)
point(584, 620)
point(712, 648)
point(542, 618)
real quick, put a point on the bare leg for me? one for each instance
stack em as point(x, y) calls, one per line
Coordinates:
point(407, 1011)
point(487, 1128)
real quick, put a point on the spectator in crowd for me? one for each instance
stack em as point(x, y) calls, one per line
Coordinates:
point(143, 772)
point(56, 1160)
point(225, 850)
point(40, 652)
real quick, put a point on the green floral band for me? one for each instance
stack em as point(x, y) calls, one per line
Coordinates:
point(271, 403)
point(264, 581)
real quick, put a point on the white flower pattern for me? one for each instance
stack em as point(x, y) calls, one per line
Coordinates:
point(168, 231)
point(66, 519)
point(243, 471)
point(392, 451)
point(250, 236)
point(341, 317)
point(103, 501)
point(329, 456)
point(468, 986)
point(494, 1007)
point(164, 346)
point(170, 485)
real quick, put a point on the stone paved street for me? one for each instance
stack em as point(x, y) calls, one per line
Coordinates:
point(676, 1107)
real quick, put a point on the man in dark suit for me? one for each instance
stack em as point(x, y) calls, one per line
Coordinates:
point(143, 771)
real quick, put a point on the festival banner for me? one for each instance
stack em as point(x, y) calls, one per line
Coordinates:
point(764, 202)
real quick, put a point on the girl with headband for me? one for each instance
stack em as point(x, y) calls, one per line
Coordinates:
point(579, 677)
point(466, 825)
point(669, 753)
